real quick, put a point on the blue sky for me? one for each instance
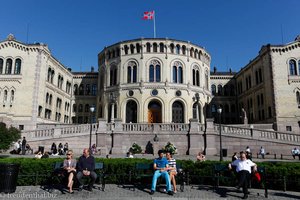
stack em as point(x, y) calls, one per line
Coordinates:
point(232, 31)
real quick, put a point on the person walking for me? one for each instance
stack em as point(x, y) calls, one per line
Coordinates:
point(243, 168)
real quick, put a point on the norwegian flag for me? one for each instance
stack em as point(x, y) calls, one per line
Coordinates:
point(148, 15)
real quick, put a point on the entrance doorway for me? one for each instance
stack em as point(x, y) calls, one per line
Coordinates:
point(154, 112)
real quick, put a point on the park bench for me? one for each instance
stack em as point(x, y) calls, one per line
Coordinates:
point(143, 173)
point(222, 174)
point(57, 180)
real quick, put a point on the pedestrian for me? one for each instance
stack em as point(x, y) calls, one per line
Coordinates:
point(23, 146)
point(262, 152)
point(243, 168)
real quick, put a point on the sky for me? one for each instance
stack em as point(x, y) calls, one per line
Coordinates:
point(232, 31)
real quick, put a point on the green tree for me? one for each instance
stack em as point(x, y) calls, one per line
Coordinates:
point(7, 136)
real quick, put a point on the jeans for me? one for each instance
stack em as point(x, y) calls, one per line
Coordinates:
point(244, 179)
point(92, 175)
point(156, 175)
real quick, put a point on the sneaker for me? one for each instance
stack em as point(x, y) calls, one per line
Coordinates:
point(170, 192)
point(80, 188)
point(151, 192)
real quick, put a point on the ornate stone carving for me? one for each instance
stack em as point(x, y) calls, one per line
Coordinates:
point(154, 62)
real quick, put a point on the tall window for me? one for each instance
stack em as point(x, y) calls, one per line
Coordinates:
point(138, 48)
point(154, 47)
point(213, 89)
point(298, 98)
point(81, 90)
point(177, 49)
point(87, 89)
point(161, 47)
point(196, 76)
point(18, 66)
point(131, 49)
point(293, 69)
point(12, 96)
point(220, 88)
point(148, 47)
point(172, 48)
point(177, 72)
point(5, 96)
point(1, 65)
point(94, 89)
point(131, 72)
point(8, 66)
point(113, 75)
point(154, 71)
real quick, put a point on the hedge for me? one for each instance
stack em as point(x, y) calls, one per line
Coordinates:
point(282, 175)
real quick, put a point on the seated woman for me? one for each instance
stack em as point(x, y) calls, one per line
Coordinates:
point(70, 169)
point(172, 170)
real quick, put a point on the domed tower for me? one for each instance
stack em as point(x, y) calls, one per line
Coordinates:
point(153, 81)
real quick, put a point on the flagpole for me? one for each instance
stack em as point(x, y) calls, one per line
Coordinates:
point(154, 24)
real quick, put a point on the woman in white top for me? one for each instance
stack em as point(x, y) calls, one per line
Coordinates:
point(70, 169)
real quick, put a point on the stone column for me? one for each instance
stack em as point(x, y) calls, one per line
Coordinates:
point(103, 141)
point(117, 138)
point(195, 140)
point(210, 137)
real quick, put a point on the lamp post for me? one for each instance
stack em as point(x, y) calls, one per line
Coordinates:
point(92, 110)
point(219, 110)
point(196, 98)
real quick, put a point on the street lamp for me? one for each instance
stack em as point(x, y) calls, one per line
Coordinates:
point(92, 110)
point(219, 110)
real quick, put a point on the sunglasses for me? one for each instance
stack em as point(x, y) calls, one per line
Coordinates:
point(69, 154)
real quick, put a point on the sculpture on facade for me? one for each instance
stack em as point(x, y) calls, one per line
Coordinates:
point(244, 116)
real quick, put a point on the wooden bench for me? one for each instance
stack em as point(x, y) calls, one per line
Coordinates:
point(144, 172)
point(223, 174)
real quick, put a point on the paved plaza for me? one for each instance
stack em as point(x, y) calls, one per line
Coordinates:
point(115, 192)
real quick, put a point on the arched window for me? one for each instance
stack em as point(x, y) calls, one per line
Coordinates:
point(161, 48)
point(154, 71)
point(5, 96)
point(80, 108)
point(192, 52)
point(131, 72)
point(1, 65)
point(52, 75)
point(177, 49)
point(47, 97)
point(81, 89)
point(131, 49)
point(8, 66)
point(75, 89)
point(213, 89)
point(148, 47)
point(50, 99)
point(293, 69)
point(131, 112)
point(86, 108)
point(154, 47)
point(177, 112)
point(113, 75)
point(18, 66)
point(172, 48)
point(177, 72)
point(196, 53)
point(196, 76)
point(94, 89)
point(138, 48)
point(298, 98)
point(74, 108)
point(183, 50)
point(126, 49)
point(49, 74)
point(87, 89)
point(12, 96)
point(220, 88)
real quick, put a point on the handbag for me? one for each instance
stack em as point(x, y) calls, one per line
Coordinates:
point(256, 177)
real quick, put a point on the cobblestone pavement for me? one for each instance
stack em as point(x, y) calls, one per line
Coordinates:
point(115, 192)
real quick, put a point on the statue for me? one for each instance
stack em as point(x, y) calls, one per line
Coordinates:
point(244, 116)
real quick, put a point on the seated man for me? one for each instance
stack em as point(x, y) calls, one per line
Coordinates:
point(243, 168)
point(161, 166)
point(86, 167)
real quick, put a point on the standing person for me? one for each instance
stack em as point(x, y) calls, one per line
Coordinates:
point(172, 170)
point(243, 168)
point(70, 169)
point(23, 146)
point(86, 167)
point(262, 152)
point(160, 165)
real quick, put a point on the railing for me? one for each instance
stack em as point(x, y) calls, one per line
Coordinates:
point(274, 136)
point(171, 127)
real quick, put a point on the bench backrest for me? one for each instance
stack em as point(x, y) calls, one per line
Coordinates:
point(58, 165)
point(99, 165)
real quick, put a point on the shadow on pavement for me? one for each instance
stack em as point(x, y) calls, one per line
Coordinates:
point(280, 194)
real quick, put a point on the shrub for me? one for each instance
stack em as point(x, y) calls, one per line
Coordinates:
point(135, 148)
point(170, 148)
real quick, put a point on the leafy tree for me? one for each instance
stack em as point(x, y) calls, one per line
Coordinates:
point(7, 136)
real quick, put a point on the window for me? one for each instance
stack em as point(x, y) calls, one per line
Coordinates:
point(288, 128)
point(131, 49)
point(126, 49)
point(131, 72)
point(196, 76)
point(183, 50)
point(87, 89)
point(298, 98)
point(80, 108)
point(8, 66)
point(154, 47)
point(1, 65)
point(18, 66)
point(12, 96)
point(74, 108)
point(113, 75)
point(47, 97)
point(293, 69)
point(177, 49)
point(213, 89)
point(94, 89)
point(86, 108)
point(81, 90)
point(5, 96)
point(177, 72)
point(148, 47)
point(50, 99)
point(220, 90)
point(161, 47)
point(138, 48)
point(154, 71)
point(172, 48)
point(75, 89)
